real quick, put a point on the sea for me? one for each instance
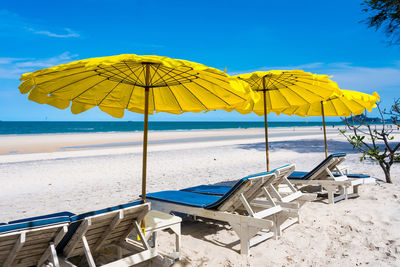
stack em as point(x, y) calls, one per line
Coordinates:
point(48, 127)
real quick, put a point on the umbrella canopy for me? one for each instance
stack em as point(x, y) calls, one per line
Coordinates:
point(281, 89)
point(346, 104)
point(142, 84)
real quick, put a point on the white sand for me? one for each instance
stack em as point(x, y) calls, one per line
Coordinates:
point(363, 231)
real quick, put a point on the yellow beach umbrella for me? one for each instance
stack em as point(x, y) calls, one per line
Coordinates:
point(142, 84)
point(281, 89)
point(345, 104)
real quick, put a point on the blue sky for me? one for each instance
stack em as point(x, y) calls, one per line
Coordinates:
point(317, 36)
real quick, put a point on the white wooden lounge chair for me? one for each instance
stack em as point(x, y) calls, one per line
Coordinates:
point(286, 196)
point(329, 176)
point(92, 231)
point(33, 241)
point(237, 207)
point(287, 199)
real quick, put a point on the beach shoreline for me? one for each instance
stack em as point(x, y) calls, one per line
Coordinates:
point(53, 142)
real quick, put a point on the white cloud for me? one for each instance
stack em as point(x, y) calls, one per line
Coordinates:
point(12, 23)
point(12, 68)
point(69, 33)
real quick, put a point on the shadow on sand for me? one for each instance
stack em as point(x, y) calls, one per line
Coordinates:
point(206, 229)
point(304, 146)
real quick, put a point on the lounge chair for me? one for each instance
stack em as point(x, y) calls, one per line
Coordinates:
point(331, 177)
point(287, 200)
point(92, 231)
point(237, 207)
point(282, 179)
point(32, 241)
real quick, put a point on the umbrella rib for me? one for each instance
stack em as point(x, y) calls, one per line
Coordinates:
point(218, 86)
point(166, 72)
point(72, 83)
point(269, 94)
point(279, 80)
point(154, 100)
point(76, 82)
point(300, 84)
point(201, 103)
point(66, 76)
point(177, 102)
point(173, 94)
point(51, 72)
point(300, 96)
point(137, 77)
point(333, 104)
point(203, 88)
point(126, 76)
point(272, 81)
point(109, 93)
point(189, 92)
point(344, 104)
point(215, 94)
point(177, 74)
point(109, 71)
point(209, 74)
point(308, 109)
point(155, 71)
point(152, 89)
point(298, 93)
point(253, 83)
point(130, 96)
point(84, 91)
point(284, 97)
point(224, 89)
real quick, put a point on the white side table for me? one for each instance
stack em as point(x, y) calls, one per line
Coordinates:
point(158, 221)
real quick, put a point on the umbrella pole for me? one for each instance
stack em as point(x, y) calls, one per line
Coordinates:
point(266, 130)
point(323, 122)
point(145, 131)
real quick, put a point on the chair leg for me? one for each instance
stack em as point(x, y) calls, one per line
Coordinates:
point(355, 189)
point(244, 239)
point(54, 257)
point(242, 230)
point(331, 194)
point(177, 231)
point(277, 227)
point(88, 254)
point(345, 192)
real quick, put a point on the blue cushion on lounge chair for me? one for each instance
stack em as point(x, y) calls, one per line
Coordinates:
point(33, 224)
point(184, 198)
point(299, 175)
point(200, 200)
point(361, 176)
point(219, 190)
point(48, 216)
point(216, 190)
point(2, 223)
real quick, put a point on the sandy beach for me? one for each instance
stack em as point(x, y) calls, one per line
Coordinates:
point(48, 173)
